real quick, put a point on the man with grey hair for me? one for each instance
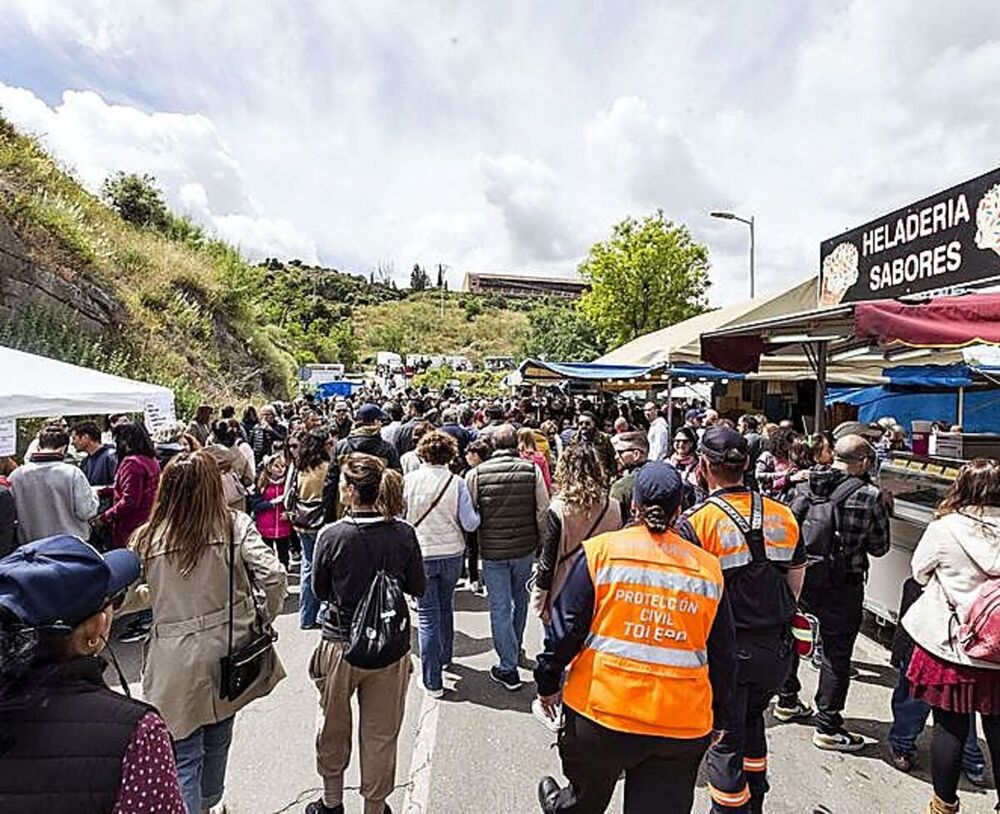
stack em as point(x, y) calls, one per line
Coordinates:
point(512, 500)
point(844, 521)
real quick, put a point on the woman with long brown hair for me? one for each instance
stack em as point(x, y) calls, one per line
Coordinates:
point(581, 509)
point(957, 558)
point(187, 548)
point(349, 555)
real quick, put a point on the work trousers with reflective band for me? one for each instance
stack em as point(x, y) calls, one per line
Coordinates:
point(737, 764)
point(660, 773)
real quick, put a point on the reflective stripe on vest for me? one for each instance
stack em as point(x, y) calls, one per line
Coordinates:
point(651, 653)
point(742, 557)
point(643, 668)
point(648, 578)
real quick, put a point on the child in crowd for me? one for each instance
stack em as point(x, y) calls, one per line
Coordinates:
point(269, 510)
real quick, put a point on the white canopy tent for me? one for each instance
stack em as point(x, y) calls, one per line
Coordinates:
point(32, 386)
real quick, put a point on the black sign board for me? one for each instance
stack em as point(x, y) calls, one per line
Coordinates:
point(949, 239)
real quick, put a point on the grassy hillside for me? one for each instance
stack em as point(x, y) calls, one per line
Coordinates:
point(169, 304)
point(467, 325)
point(181, 314)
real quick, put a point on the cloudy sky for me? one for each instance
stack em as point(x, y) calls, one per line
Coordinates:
point(510, 136)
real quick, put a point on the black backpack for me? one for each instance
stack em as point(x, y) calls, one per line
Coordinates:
point(820, 527)
point(380, 629)
point(761, 597)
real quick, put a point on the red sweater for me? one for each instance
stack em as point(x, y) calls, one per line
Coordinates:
point(271, 522)
point(133, 493)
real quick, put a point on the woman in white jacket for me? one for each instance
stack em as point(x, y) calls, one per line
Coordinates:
point(439, 506)
point(956, 558)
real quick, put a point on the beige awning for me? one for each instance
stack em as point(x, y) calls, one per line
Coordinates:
point(681, 343)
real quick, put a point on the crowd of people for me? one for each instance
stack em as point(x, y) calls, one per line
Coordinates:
point(679, 563)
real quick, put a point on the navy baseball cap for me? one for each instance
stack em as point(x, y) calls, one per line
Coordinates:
point(724, 445)
point(693, 413)
point(61, 581)
point(370, 413)
point(657, 483)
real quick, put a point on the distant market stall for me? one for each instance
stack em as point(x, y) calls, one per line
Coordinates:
point(32, 386)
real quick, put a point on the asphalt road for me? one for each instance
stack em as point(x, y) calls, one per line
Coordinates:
point(480, 750)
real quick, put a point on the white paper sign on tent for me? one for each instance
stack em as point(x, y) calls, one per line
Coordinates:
point(8, 436)
point(159, 413)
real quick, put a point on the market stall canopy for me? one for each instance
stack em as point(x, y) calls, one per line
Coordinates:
point(942, 322)
point(533, 370)
point(34, 386)
point(863, 333)
point(680, 342)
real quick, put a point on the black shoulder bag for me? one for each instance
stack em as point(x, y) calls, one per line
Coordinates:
point(240, 668)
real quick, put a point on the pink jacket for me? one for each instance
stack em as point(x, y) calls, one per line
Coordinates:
point(539, 460)
point(271, 522)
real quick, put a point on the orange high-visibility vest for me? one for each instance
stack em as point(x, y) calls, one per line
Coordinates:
point(721, 536)
point(644, 666)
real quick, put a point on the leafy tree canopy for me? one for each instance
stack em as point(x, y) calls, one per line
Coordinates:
point(650, 274)
point(419, 279)
point(561, 333)
point(137, 199)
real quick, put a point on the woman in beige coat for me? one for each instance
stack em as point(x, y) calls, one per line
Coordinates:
point(185, 552)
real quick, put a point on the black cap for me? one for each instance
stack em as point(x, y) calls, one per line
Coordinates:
point(724, 445)
point(657, 483)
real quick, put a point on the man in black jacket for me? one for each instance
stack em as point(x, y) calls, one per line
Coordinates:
point(364, 437)
point(266, 434)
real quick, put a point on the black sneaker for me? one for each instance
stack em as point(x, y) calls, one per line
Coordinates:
point(319, 807)
point(548, 794)
point(787, 712)
point(510, 681)
point(135, 632)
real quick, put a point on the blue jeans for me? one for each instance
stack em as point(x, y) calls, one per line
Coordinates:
point(909, 715)
point(506, 582)
point(201, 764)
point(436, 613)
point(308, 604)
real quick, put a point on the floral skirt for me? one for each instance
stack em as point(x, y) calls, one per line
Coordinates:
point(953, 687)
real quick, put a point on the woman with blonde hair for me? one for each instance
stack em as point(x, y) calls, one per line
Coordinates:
point(201, 563)
point(528, 450)
point(581, 509)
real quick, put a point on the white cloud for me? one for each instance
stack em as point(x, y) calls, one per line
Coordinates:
point(514, 138)
point(195, 169)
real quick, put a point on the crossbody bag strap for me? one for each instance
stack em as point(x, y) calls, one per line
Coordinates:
point(600, 517)
point(232, 556)
point(436, 500)
point(752, 530)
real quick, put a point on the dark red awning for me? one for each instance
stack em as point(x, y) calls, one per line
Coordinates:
point(944, 322)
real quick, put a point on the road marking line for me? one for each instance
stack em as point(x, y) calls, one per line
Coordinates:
point(418, 790)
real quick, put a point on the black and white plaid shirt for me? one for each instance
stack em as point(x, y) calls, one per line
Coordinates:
point(864, 517)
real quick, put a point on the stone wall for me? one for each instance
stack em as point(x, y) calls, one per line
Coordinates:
point(53, 286)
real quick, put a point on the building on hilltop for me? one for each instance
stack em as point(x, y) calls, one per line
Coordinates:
point(522, 285)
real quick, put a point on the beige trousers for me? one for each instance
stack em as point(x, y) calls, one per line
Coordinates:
point(382, 701)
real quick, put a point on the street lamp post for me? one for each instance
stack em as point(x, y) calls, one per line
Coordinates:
point(748, 222)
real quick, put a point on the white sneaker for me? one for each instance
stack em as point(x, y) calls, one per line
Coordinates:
point(435, 693)
point(842, 741)
point(547, 722)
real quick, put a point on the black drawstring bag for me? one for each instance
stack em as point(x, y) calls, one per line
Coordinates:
point(380, 629)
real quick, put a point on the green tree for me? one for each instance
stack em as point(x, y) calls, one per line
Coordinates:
point(650, 274)
point(137, 199)
point(419, 279)
point(561, 333)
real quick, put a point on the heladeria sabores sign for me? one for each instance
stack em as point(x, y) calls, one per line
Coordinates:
point(948, 239)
